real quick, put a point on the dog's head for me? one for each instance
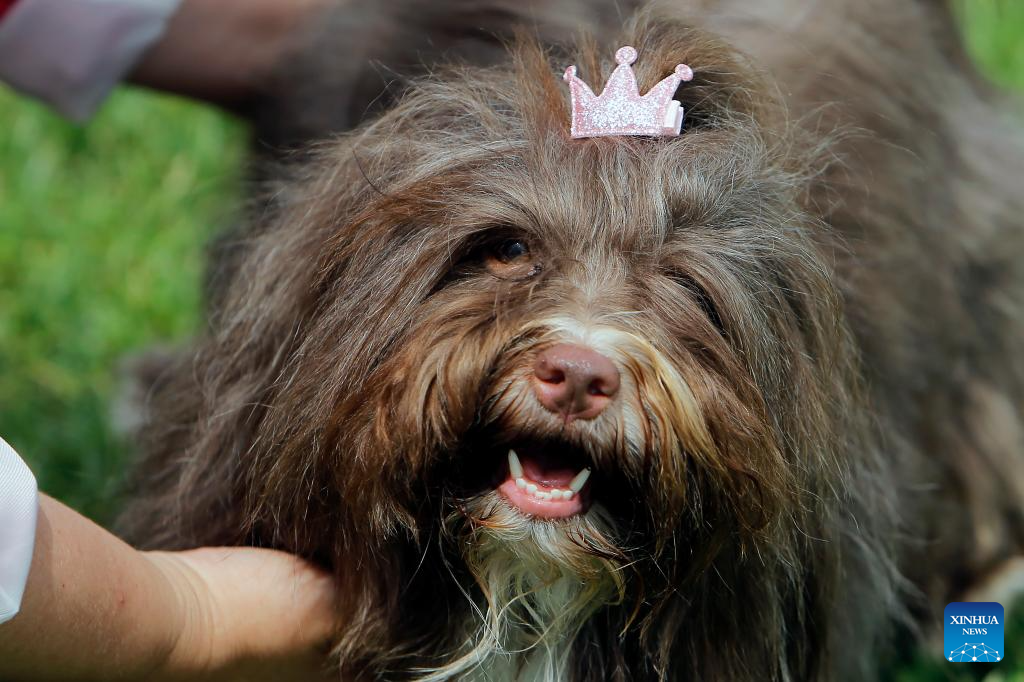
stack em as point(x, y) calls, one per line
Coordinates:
point(593, 375)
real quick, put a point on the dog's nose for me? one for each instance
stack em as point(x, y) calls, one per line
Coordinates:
point(574, 381)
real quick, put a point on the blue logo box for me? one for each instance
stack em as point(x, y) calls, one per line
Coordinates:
point(973, 632)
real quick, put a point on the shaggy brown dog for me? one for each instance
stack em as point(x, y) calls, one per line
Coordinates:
point(786, 343)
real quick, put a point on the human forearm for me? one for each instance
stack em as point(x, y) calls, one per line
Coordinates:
point(94, 608)
point(224, 51)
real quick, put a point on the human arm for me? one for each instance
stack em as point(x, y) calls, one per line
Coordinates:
point(96, 609)
point(71, 55)
point(224, 51)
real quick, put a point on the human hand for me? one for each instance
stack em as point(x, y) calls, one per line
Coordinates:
point(248, 614)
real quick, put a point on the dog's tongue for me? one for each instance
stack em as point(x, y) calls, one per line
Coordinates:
point(544, 470)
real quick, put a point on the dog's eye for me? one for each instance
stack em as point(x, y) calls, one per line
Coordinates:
point(702, 298)
point(511, 258)
point(511, 249)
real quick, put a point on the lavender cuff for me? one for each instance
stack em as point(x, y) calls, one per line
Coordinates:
point(71, 53)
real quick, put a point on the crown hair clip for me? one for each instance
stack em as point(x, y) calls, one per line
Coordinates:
point(620, 110)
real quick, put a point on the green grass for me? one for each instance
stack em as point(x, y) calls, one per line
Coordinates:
point(101, 238)
point(995, 35)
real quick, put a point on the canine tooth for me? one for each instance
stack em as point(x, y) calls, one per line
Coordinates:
point(567, 494)
point(531, 488)
point(521, 483)
point(579, 480)
point(514, 465)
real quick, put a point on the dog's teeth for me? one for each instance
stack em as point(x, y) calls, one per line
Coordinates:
point(513, 465)
point(515, 468)
point(580, 479)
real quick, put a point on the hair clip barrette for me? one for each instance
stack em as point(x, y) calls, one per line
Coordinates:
point(620, 110)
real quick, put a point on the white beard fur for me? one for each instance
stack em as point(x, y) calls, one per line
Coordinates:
point(540, 586)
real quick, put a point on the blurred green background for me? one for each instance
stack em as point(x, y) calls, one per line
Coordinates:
point(102, 231)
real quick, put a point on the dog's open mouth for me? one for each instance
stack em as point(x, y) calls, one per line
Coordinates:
point(545, 483)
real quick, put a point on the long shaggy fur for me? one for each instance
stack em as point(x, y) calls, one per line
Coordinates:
point(814, 297)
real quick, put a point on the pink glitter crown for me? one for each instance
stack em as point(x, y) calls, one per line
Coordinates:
point(620, 110)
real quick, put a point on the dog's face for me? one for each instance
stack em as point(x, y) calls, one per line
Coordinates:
point(589, 370)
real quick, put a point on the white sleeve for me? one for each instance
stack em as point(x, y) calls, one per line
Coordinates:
point(71, 53)
point(19, 505)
